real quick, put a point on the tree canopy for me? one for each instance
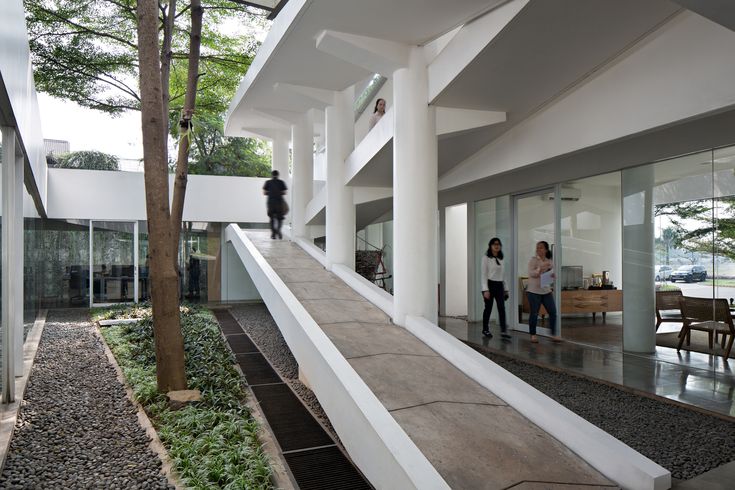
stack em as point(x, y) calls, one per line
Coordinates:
point(88, 160)
point(86, 51)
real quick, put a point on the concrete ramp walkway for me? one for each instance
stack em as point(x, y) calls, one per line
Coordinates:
point(472, 438)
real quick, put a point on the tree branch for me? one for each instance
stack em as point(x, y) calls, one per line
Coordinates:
point(86, 29)
point(114, 83)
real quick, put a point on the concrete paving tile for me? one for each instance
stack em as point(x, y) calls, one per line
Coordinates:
point(365, 339)
point(295, 262)
point(320, 290)
point(341, 311)
point(536, 485)
point(306, 275)
point(401, 381)
point(491, 447)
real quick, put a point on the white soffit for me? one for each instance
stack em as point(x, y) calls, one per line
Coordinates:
point(289, 54)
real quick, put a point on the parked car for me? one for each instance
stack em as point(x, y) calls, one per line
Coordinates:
point(663, 272)
point(689, 273)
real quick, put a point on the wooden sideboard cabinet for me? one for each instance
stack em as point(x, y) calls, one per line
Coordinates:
point(592, 301)
point(584, 301)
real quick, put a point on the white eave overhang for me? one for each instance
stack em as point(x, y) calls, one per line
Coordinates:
point(289, 56)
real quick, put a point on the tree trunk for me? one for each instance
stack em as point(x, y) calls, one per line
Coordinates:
point(169, 342)
point(185, 141)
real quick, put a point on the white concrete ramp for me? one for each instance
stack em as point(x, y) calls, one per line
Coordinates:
point(408, 417)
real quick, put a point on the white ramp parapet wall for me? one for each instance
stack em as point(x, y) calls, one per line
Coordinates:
point(617, 461)
point(374, 440)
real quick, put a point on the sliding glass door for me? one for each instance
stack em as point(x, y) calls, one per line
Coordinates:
point(113, 262)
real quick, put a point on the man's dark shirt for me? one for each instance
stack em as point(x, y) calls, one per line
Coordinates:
point(274, 188)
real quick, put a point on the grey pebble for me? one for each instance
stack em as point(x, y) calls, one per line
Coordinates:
point(76, 428)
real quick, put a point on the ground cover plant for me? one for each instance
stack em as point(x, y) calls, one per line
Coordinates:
point(213, 443)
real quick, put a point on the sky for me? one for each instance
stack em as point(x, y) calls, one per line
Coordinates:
point(86, 129)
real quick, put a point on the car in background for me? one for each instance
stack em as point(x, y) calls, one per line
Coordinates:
point(663, 272)
point(689, 273)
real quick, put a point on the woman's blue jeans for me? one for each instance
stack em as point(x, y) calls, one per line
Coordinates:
point(535, 301)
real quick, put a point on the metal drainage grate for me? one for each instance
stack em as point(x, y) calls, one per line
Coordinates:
point(241, 344)
point(292, 424)
point(228, 324)
point(324, 469)
point(315, 461)
point(256, 369)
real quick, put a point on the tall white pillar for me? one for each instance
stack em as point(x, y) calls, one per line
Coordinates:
point(280, 162)
point(340, 213)
point(12, 264)
point(415, 187)
point(18, 259)
point(639, 332)
point(302, 186)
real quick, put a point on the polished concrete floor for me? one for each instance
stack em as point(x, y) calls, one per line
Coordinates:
point(701, 380)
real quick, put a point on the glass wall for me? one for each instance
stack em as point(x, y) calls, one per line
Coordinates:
point(57, 265)
point(591, 261)
point(692, 209)
point(113, 261)
point(492, 219)
point(200, 261)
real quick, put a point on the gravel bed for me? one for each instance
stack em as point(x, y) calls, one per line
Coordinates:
point(76, 428)
point(258, 323)
point(686, 442)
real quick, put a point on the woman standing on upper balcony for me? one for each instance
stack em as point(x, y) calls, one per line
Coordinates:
point(378, 112)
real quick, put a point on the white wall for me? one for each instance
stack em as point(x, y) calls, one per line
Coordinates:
point(16, 74)
point(682, 71)
point(100, 195)
point(456, 260)
point(236, 282)
point(592, 230)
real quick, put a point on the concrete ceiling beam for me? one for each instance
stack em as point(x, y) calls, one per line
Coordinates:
point(375, 55)
point(450, 120)
point(467, 44)
point(315, 97)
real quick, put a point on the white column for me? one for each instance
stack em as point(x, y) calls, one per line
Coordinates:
point(18, 259)
point(280, 163)
point(302, 137)
point(639, 332)
point(415, 189)
point(340, 213)
point(12, 262)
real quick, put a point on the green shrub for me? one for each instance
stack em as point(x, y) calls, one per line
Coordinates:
point(213, 443)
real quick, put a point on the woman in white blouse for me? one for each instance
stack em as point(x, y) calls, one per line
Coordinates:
point(378, 112)
point(493, 287)
point(540, 295)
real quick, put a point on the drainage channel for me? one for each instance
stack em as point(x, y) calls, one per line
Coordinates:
point(313, 458)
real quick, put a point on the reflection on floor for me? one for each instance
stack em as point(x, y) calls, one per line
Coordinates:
point(700, 380)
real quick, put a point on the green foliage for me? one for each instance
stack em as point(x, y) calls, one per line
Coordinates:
point(702, 226)
point(213, 443)
point(86, 51)
point(88, 160)
point(215, 154)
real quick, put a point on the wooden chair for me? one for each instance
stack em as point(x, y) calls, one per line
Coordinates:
point(667, 307)
point(707, 315)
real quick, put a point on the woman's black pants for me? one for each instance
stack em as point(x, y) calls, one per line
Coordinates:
point(498, 294)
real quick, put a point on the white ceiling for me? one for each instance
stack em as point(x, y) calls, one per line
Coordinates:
point(292, 56)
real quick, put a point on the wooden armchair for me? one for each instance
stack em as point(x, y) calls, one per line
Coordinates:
point(707, 315)
point(667, 307)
